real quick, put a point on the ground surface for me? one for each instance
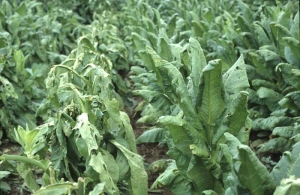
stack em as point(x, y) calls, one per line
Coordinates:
point(151, 152)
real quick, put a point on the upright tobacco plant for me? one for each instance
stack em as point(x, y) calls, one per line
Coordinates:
point(210, 131)
point(210, 105)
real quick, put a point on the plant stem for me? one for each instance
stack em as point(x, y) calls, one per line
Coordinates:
point(23, 159)
point(81, 190)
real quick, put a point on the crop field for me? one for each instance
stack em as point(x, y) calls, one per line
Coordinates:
point(149, 97)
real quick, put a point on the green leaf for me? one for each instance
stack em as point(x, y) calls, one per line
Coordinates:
point(291, 51)
point(278, 32)
point(246, 11)
point(22, 9)
point(59, 188)
point(98, 189)
point(238, 117)
point(289, 165)
point(32, 141)
point(199, 173)
point(112, 107)
point(212, 102)
point(141, 43)
point(122, 164)
point(275, 145)
point(235, 79)
point(288, 75)
point(138, 176)
point(258, 83)
point(209, 192)
point(295, 26)
point(271, 122)
point(243, 23)
point(232, 143)
point(86, 43)
point(26, 173)
point(82, 147)
point(158, 166)
point(88, 132)
point(163, 48)
point(289, 186)
point(14, 24)
point(172, 24)
point(99, 165)
point(261, 34)
point(112, 166)
point(175, 125)
point(270, 97)
point(8, 88)
point(285, 132)
point(174, 84)
point(174, 181)
point(198, 62)
point(4, 174)
point(152, 136)
point(4, 187)
point(270, 58)
point(129, 133)
point(291, 100)
point(147, 95)
point(20, 61)
point(252, 173)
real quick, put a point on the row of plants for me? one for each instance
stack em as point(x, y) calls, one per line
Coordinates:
point(205, 111)
point(31, 40)
point(75, 138)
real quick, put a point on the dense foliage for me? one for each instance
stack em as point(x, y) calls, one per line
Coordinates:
point(219, 82)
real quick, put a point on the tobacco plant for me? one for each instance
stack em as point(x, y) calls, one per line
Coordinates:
point(86, 138)
point(31, 39)
point(167, 84)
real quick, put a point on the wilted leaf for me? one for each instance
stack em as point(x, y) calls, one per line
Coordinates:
point(173, 180)
point(101, 166)
point(138, 176)
point(59, 188)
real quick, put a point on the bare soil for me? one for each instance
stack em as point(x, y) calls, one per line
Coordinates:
point(150, 152)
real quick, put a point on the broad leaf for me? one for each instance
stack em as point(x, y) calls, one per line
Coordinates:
point(288, 186)
point(173, 180)
point(235, 79)
point(175, 125)
point(289, 165)
point(198, 62)
point(99, 165)
point(152, 136)
point(88, 132)
point(174, 84)
point(201, 176)
point(138, 176)
point(212, 102)
point(252, 173)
